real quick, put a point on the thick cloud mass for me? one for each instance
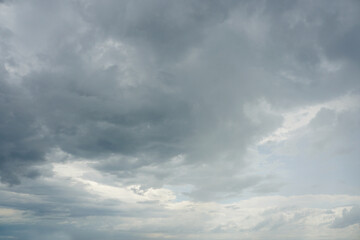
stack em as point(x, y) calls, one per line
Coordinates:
point(136, 114)
point(22, 144)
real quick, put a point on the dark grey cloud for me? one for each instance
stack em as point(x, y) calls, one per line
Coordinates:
point(22, 143)
point(154, 80)
point(166, 30)
point(124, 121)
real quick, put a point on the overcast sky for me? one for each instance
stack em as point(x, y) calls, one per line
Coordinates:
point(181, 120)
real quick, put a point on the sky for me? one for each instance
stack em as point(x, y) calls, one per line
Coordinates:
point(183, 120)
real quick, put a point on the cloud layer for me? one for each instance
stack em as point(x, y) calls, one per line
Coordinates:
point(167, 118)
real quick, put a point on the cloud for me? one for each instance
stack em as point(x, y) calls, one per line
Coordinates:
point(348, 218)
point(143, 88)
point(158, 119)
point(313, 115)
point(174, 29)
point(71, 205)
point(22, 143)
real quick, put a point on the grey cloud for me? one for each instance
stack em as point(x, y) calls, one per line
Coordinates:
point(349, 217)
point(298, 35)
point(324, 118)
point(335, 133)
point(196, 65)
point(340, 32)
point(53, 200)
point(22, 144)
point(113, 120)
point(217, 187)
point(96, 117)
point(167, 30)
point(173, 94)
point(48, 230)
